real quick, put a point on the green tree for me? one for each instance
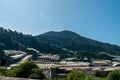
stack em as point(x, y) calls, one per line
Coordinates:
point(76, 75)
point(25, 70)
point(79, 75)
point(37, 74)
point(115, 75)
point(92, 77)
point(2, 71)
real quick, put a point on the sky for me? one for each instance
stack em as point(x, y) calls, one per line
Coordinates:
point(95, 19)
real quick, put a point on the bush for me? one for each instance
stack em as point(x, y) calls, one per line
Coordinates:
point(76, 75)
point(37, 74)
point(115, 75)
point(14, 72)
point(2, 71)
point(91, 77)
point(79, 75)
point(26, 70)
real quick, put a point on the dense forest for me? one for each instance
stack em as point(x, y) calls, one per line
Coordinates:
point(75, 42)
point(13, 40)
point(65, 43)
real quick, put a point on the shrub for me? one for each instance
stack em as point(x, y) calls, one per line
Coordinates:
point(2, 71)
point(115, 75)
point(79, 75)
point(76, 75)
point(37, 74)
point(25, 70)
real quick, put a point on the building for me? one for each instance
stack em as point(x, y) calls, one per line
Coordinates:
point(48, 58)
point(71, 63)
point(101, 63)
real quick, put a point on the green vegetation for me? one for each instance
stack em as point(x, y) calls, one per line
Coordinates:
point(54, 42)
point(75, 42)
point(80, 55)
point(13, 40)
point(79, 75)
point(115, 75)
point(24, 70)
point(2, 71)
point(2, 56)
point(31, 70)
point(76, 75)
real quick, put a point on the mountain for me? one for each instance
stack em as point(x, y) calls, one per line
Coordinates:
point(72, 41)
point(13, 40)
point(64, 43)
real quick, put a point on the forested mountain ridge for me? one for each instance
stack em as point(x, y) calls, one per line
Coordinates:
point(55, 43)
point(13, 40)
point(75, 42)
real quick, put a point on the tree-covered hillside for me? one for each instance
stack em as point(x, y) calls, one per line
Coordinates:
point(18, 41)
point(61, 43)
point(75, 42)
